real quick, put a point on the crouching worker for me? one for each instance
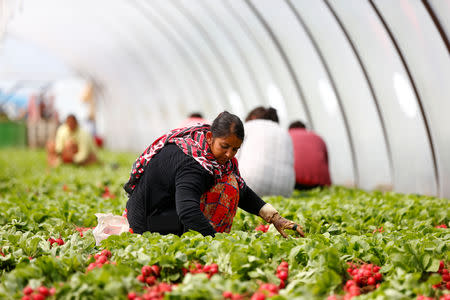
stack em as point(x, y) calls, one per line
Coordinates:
point(189, 179)
point(71, 146)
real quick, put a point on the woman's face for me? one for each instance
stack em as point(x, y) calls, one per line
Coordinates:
point(223, 148)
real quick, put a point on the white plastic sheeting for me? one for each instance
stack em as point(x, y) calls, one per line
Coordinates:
point(371, 77)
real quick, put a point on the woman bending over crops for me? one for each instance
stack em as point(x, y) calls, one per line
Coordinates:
point(189, 179)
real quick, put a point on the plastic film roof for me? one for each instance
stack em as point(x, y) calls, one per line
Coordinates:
point(371, 77)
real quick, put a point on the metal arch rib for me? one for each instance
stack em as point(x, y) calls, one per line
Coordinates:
point(416, 93)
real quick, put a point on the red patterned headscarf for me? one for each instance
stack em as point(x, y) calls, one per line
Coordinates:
point(192, 141)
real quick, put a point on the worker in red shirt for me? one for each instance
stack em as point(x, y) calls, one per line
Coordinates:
point(310, 158)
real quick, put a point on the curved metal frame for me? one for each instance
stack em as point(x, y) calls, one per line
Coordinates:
point(416, 93)
point(336, 91)
point(284, 58)
point(369, 83)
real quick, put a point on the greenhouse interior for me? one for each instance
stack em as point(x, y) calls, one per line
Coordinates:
point(225, 149)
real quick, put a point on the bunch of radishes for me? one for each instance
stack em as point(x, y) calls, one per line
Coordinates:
point(270, 289)
point(100, 260)
point(230, 295)
point(149, 274)
point(443, 297)
point(155, 292)
point(58, 241)
point(445, 283)
point(262, 227)
point(107, 194)
point(40, 293)
point(198, 268)
point(422, 297)
point(365, 275)
point(441, 226)
point(83, 229)
point(380, 230)
point(265, 290)
point(283, 273)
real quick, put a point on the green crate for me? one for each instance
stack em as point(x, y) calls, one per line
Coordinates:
point(13, 134)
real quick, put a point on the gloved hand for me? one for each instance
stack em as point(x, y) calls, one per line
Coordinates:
point(271, 215)
point(281, 224)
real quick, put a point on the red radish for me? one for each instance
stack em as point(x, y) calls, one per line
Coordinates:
point(258, 296)
point(146, 271)
point(214, 268)
point(164, 287)
point(27, 290)
point(132, 296)
point(236, 297)
point(378, 276)
point(354, 290)
point(263, 228)
point(283, 275)
point(38, 297)
point(207, 268)
point(43, 291)
point(349, 283)
point(227, 294)
point(272, 288)
point(155, 270)
point(91, 266)
point(106, 253)
point(102, 259)
point(150, 280)
point(281, 268)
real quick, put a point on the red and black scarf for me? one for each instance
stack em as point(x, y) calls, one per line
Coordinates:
point(192, 141)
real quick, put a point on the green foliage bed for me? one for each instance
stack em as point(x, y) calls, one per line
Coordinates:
point(342, 225)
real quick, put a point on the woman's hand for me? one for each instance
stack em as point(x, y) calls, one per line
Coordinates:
point(271, 215)
point(281, 224)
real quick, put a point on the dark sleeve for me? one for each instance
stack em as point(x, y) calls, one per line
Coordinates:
point(249, 201)
point(190, 183)
point(136, 204)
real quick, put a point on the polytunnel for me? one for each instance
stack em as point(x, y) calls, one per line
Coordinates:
point(372, 77)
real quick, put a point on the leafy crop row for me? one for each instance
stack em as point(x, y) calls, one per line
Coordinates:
point(46, 241)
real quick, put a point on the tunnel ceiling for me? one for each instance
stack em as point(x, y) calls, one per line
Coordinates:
point(371, 77)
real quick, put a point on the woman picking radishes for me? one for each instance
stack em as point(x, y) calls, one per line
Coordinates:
point(189, 179)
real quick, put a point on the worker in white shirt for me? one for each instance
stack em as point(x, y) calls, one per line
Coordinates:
point(266, 157)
